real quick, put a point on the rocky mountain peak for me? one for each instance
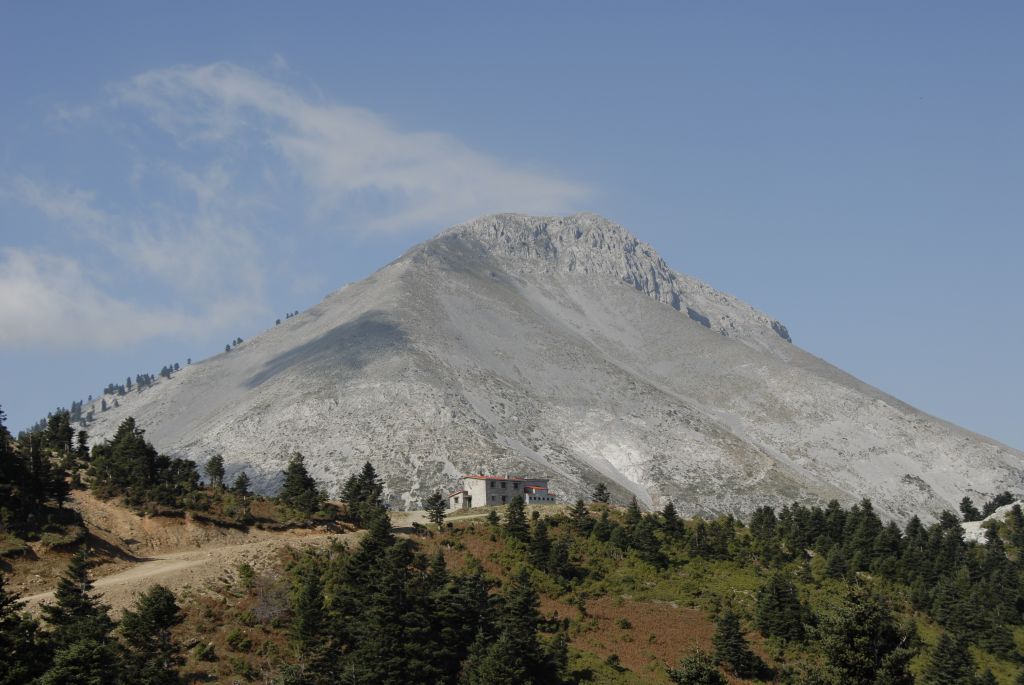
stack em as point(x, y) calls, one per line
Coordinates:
point(591, 244)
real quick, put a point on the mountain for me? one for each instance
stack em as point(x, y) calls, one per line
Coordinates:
point(561, 347)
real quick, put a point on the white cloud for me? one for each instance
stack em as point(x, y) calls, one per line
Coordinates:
point(49, 301)
point(346, 155)
point(192, 238)
point(59, 203)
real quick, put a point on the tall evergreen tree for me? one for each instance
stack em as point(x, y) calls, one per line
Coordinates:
point(85, 653)
point(363, 495)
point(968, 511)
point(950, 664)
point(215, 471)
point(515, 520)
point(436, 506)
point(601, 494)
point(299, 490)
point(153, 656)
point(23, 655)
point(633, 513)
point(779, 611)
point(865, 645)
point(241, 484)
point(732, 649)
point(580, 517)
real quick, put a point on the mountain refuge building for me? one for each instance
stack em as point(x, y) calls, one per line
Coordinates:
point(493, 491)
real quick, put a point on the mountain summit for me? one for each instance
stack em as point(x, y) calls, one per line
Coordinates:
point(561, 347)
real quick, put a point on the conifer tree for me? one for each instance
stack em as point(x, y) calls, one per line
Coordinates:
point(540, 545)
point(580, 517)
point(215, 471)
point(779, 611)
point(633, 513)
point(968, 511)
point(363, 494)
point(670, 520)
point(601, 494)
point(515, 520)
point(436, 506)
point(950, 664)
point(80, 632)
point(732, 650)
point(865, 645)
point(152, 654)
point(23, 655)
point(645, 541)
point(299, 490)
point(241, 484)
point(697, 668)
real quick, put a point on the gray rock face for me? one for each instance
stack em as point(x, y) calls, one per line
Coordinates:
point(561, 347)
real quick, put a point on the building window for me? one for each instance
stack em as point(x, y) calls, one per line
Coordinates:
point(492, 483)
point(503, 498)
point(503, 484)
point(515, 486)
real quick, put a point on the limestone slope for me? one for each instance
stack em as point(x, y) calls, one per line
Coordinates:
point(564, 347)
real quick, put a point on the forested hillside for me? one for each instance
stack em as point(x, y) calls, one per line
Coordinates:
point(596, 592)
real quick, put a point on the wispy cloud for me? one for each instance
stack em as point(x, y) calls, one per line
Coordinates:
point(56, 202)
point(190, 234)
point(355, 161)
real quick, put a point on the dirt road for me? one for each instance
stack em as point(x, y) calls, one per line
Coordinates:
point(192, 569)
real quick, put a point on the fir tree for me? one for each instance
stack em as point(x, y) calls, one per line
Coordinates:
point(670, 520)
point(363, 493)
point(580, 517)
point(697, 668)
point(80, 632)
point(865, 645)
point(950, 664)
point(540, 545)
point(732, 650)
point(436, 506)
point(241, 484)
point(968, 511)
point(215, 471)
point(23, 655)
point(601, 494)
point(779, 612)
point(152, 654)
point(299, 491)
point(515, 520)
point(633, 513)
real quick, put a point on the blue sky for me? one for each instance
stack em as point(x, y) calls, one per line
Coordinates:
point(173, 176)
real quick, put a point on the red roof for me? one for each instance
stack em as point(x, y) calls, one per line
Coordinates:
point(479, 477)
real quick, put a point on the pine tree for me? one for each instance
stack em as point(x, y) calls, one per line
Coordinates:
point(633, 514)
point(732, 650)
point(540, 545)
point(77, 613)
point(215, 471)
point(601, 494)
point(299, 490)
point(436, 506)
point(241, 485)
point(645, 541)
point(670, 520)
point(362, 493)
point(779, 612)
point(515, 520)
point(23, 655)
point(697, 668)
point(864, 644)
point(950, 664)
point(968, 511)
point(580, 517)
point(152, 654)
point(80, 632)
